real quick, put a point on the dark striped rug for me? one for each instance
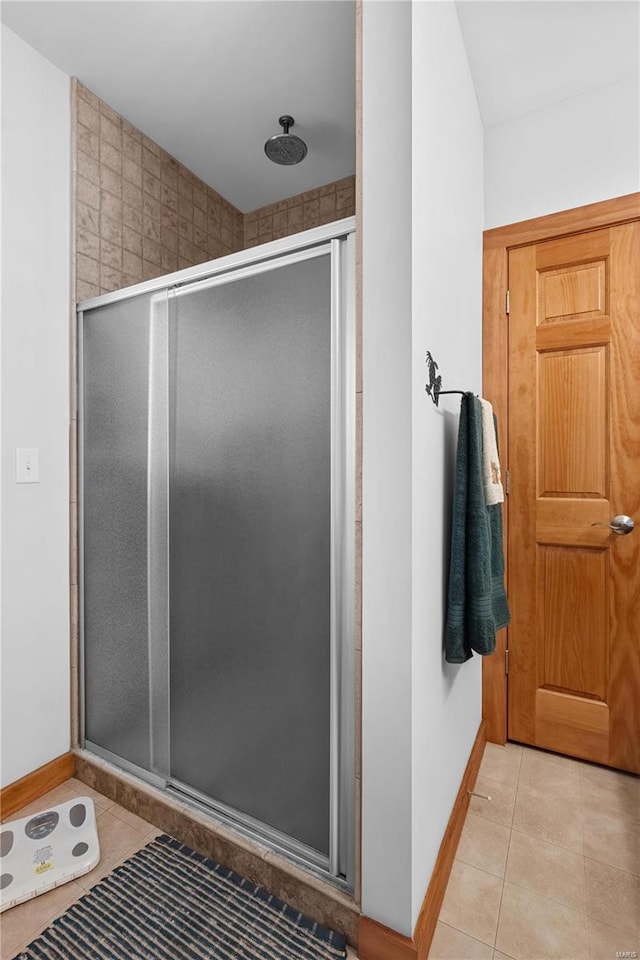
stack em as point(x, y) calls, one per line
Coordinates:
point(167, 902)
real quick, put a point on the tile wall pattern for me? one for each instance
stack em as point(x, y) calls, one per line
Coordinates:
point(139, 213)
point(303, 211)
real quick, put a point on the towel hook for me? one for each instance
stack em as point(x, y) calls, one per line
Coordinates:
point(434, 387)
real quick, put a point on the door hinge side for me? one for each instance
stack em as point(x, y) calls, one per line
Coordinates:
point(507, 482)
point(507, 303)
point(506, 662)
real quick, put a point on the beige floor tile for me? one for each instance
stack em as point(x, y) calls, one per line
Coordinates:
point(534, 928)
point(500, 808)
point(554, 759)
point(501, 764)
point(451, 944)
point(484, 844)
point(612, 838)
point(612, 782)
point(22, 924)
point(550, 773)
point(472, 902)
point(610, 804)
point(552, 816)
point(613, 896)
point(610, 794)
point(547, 870)
point(140, 843)
point(132, 819)
point(105, 868)
point(46, 801)
point(152, 834)
point(117, 839)
point(82, 790)
point(545, 894)
point(605, 941)
point(121, 834)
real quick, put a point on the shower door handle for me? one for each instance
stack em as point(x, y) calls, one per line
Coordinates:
point(620, 524)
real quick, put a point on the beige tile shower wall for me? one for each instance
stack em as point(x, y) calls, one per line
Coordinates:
point(301, 212)
point(139, 212)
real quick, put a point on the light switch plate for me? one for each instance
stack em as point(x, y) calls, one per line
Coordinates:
point(27, 465)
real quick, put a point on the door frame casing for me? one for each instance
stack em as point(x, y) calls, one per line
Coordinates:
point(497, 243)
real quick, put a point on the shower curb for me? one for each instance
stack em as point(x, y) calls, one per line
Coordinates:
point(301, 890)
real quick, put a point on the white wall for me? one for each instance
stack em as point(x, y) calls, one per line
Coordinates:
point(447, 320)
point(386, 574)
point(578, 151)
point(422, 290)
point(35, 408)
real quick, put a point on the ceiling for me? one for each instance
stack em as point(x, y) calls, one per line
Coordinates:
point(529, 54)
point(208, 80)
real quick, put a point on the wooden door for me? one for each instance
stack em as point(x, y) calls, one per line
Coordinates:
point(574, 460)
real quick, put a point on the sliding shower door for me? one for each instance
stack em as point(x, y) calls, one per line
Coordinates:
point(114, 465)
point(217, 419)
point(250, 545)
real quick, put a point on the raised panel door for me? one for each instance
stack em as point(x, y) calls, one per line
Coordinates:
point(574, 449)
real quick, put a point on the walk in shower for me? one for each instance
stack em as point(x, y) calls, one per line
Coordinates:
point(217, 419)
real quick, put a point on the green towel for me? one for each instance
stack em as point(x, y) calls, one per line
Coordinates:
point(477, 604)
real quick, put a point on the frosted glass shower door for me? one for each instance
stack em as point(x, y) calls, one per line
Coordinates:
point(250, 544)
point(124, 637)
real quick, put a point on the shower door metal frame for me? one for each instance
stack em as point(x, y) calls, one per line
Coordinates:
point(336, 240)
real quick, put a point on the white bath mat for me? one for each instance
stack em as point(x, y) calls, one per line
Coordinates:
point(47, 849)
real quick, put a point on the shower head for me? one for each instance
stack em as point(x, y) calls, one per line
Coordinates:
point(285, 148)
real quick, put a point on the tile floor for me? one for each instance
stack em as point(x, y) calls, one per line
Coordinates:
point(548, 870)
point(121, 834)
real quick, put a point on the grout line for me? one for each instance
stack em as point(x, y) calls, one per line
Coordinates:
point(562, 846)
point(513, 812)
point(475, 939)
point(520, 763)
point(484, 870)
point(549, 843)
point(588, 924)
point(42, 926)
point(466, 932)
point(522, 829)
point(586, 912)
point(32, 936)
point(495, 935)
point(584, 860)
point(560, 903)
point(506, 865)
point(612, 866)
point(127, 823)
point(504, 880)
